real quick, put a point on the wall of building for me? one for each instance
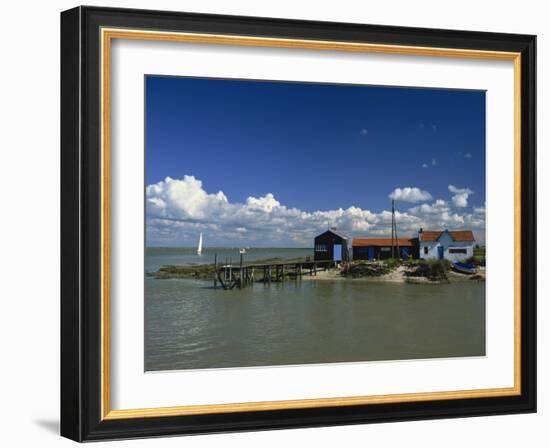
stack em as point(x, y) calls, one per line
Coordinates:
point(380, 252)
point(326, 242)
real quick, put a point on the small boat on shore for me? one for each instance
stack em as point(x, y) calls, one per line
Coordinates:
point(465, 268)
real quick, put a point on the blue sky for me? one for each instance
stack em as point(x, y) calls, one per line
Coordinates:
point(312, 148)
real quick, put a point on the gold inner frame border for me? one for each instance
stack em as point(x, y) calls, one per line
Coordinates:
point(107, 35)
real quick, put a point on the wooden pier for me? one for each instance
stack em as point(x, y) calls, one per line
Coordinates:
point(241, 275)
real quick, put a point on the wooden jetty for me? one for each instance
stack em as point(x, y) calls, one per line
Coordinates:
point(241, 275)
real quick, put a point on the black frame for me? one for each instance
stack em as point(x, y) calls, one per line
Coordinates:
point(80, 224)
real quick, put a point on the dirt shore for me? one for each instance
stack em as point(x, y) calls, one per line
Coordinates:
point(398, 275)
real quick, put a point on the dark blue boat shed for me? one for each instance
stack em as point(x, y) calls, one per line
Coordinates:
point(331, 245)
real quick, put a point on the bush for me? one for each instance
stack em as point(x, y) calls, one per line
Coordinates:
point(412, 262)
point(392, 263)
point(476, 260)
point(479, 251)
point(433, 270)
point(365, 269)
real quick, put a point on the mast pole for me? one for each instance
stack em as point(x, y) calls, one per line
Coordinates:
point(392, 229)
point(396, 238)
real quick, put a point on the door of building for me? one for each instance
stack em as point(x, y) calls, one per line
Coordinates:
point(337, 252)
point(440, 252)
point(371, 253)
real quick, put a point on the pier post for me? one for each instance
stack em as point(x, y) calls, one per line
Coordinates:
point(241, 282)
point(215, 270)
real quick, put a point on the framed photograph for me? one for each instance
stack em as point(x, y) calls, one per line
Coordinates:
point(275, 224)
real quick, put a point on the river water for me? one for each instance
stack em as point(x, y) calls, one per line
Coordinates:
point(191, 325)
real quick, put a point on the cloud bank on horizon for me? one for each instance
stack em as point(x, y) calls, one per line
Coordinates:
point(178, 209)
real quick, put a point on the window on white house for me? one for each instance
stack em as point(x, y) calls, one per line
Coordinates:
point(425, 250)
point(458, 251)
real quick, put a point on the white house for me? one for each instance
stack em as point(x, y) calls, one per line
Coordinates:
point(453, 245)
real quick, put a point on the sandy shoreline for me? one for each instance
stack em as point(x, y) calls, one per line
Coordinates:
point(395, 276)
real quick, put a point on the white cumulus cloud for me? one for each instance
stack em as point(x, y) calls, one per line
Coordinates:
point(410, 194)
point(184, 198)
point(461, 195)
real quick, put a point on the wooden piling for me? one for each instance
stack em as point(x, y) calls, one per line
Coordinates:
point(229, 276)
point(241, 283)
point(215, 270)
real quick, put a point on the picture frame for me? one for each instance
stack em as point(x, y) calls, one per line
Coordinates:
point(86, 36)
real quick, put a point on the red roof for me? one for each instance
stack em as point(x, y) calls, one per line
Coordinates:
point(364, 242)
point(430, 235)
point(457, 235)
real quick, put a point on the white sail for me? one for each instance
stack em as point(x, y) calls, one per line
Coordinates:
point(199, 249)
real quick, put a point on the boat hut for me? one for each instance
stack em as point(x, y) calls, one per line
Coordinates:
point(331, 245)
point(381, 248)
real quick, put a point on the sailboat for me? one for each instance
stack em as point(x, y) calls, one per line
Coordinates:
point(199, 248)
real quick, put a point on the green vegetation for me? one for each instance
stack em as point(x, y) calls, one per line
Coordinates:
point(392, 263)
point(479, 256)
point(366, 269)
point(479, 251)
point(175, 271)
point(433, 270)
point(476, 260)
point(370, 268)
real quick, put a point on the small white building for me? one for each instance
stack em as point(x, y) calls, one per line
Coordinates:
point(452, 245)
